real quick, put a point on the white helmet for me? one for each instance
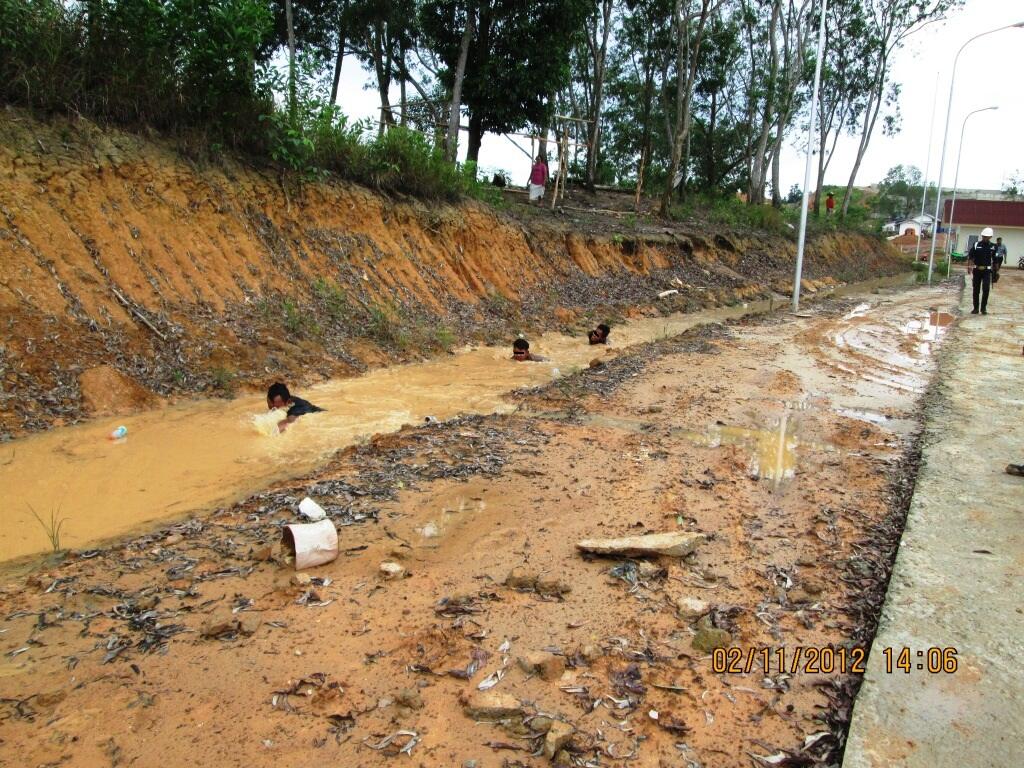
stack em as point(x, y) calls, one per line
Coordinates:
point(987, 232)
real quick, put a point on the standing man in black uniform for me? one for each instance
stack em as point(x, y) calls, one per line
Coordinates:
point(980, 260)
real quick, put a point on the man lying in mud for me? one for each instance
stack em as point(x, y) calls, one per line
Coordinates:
point(521, 352)
point(599, 335)
point(278, 396)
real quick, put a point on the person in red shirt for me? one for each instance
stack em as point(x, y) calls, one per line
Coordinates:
point(538, 178)
point(830, 204)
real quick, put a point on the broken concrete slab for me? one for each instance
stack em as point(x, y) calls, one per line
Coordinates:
point(675, 544)
point(493, 706)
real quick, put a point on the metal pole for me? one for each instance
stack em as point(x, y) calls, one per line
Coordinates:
point(956, 181)
point(945, 137)
point(927, 168)
point(802, 238)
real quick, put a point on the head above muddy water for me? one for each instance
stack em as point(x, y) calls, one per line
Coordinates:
point(520, 349)
point(599, 335)
point(278, 396)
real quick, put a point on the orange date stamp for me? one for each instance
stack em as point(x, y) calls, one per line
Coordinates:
point(811, 660)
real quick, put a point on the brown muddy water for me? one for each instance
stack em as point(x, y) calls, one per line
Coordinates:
point(198, 455)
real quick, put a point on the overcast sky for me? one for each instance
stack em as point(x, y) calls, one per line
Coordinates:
point(988, 75)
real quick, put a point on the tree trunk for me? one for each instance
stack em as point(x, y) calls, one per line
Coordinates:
point(382, 67)
point(451, 142)
point(874, 107)
point(686, 73)
point(759, 169)
point(292, 102)
point(776, 170)
point(599, 54)
point(340, 57)
point(337, 68)
point(476, 136)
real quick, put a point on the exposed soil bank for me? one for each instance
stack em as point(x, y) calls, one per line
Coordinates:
point(190, 645)
point(130, 272)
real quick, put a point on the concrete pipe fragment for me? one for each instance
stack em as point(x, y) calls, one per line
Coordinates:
point(312, 543)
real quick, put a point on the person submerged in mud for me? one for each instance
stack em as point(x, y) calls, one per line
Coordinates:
point(521, 352)
point(278, 396)
point(599, 335)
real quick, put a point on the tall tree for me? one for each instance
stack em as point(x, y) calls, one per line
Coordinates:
point(518, 55)
point(889, 24)
point(689, 25)
point(592, 66)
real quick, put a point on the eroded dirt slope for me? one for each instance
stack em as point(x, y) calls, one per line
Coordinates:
point(121, 255)
point(784, 442)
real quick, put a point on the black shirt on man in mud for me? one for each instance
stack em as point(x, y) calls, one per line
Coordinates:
point(299, 407)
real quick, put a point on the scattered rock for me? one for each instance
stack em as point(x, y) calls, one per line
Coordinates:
point(800, 595)
point(263, 554)
point(301, 580)
point(691, 608)
point(806, 562)
point(677, 544)
point(407, 697)
point(597, 362)
point(470, 764)
point(647, 570)
point(248, 623)
point(174, 538)
point(390, 570)
point(520, 578)
point(709, 638)
point(147, 603)
point(557, 737)
point(39, 581)
point(547, 665)
point(591, 653)
point(552, 586)
point(48, 700)
point(492, 706)
point(563, 759)
point(219, 623)
point(541, 724)
point(811, 587)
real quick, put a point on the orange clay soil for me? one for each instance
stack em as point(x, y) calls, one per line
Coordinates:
point(193, 646)
point(183, 277)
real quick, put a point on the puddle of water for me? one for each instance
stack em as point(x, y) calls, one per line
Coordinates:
point(203, 454)
point(773, 452)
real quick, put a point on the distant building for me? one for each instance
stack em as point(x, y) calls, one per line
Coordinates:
point(1006, 217)
point(911, 226)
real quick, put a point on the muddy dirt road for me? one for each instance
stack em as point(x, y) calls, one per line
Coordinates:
point(786, 442)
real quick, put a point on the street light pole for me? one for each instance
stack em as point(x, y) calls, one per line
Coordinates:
point(956, 181)
point(802, 237)
point(927, 169)
point(945, 138)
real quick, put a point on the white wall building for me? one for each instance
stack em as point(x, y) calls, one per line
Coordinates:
point(1006, 217)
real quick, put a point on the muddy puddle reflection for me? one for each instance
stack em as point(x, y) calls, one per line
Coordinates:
point(773, 451)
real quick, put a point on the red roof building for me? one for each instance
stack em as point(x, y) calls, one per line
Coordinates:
point(987, 213)
point(1006, 217)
